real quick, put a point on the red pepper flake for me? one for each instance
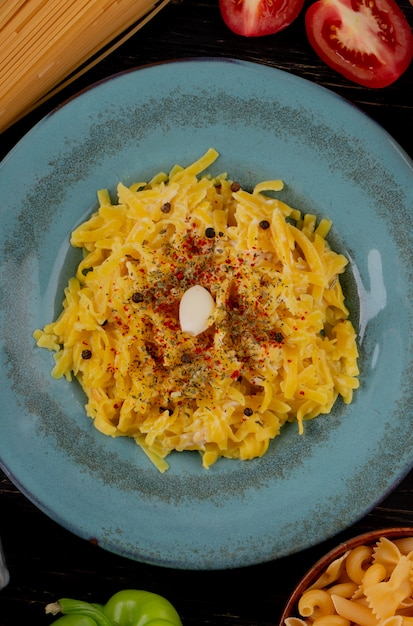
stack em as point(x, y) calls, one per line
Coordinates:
point(171, 324)
point(235, 374)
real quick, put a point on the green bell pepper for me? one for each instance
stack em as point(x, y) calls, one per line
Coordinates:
point(130, 607)
point(75, 620)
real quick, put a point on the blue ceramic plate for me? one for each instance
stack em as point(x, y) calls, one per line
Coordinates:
point(335, 162)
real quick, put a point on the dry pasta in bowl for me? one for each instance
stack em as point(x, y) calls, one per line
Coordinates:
point(266, 338)
point(366, 581)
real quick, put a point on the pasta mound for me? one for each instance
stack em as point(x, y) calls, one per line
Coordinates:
point(279, 346)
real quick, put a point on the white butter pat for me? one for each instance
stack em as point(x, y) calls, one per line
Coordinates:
point(195, 309)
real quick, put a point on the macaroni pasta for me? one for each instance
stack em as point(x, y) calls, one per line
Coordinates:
point(278, 346)
point(368, 586)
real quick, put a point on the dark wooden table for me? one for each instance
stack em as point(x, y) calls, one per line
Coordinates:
point(46, 561)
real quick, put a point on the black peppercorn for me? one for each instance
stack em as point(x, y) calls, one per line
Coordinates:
point(248, 412)
point(86, 354)
point(235, 186)
point(210, 233)
point(166, 207)
point(264, 224)
point(137, 297)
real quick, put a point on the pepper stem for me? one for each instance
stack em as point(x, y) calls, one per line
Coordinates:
point(68, 606)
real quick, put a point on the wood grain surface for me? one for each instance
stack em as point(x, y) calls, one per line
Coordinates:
point(46, 561)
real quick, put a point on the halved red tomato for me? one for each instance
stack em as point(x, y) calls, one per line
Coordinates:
point(255, 18)
point(368, 41)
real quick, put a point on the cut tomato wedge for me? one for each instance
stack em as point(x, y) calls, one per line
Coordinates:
point(369, 42)
point(255, 18)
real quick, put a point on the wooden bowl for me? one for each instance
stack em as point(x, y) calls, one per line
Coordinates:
point(316, 570)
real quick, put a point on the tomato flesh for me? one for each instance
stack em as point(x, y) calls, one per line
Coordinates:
point(368, 41)
point(255, 18)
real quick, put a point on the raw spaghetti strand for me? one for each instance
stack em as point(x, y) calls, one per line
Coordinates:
point(43, 43)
